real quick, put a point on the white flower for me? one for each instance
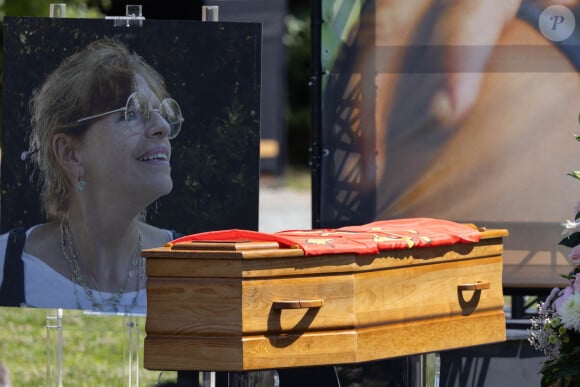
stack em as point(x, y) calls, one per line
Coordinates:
point(570, 312)
point(570, 227)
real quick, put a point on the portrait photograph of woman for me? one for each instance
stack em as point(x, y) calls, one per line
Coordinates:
point(120, 139)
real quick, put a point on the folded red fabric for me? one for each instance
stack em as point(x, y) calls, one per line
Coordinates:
point(370, 238)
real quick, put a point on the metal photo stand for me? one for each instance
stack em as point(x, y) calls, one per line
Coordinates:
point(54, 347)
point(60, 322)
point(133, 17)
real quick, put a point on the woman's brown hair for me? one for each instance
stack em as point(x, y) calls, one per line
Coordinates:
point(95, 80)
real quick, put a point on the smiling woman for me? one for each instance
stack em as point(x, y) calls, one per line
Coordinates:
point(101, 125)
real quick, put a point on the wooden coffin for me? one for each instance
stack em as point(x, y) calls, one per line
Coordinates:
point(247, 306)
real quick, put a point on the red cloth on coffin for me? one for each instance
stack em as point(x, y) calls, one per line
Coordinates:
point(370, 238)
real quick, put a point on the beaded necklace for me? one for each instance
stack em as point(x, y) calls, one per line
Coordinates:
point(137, 266)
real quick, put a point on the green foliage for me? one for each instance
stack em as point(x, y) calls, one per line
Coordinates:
point(565, 371)
point(298, 69)
point(225, 158)
point(571, 241)
point(75, 8)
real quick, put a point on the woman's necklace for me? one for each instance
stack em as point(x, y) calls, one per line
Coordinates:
point(136, 266)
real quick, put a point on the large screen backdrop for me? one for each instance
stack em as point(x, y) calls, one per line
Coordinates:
point(211, 68)
point(391, 155)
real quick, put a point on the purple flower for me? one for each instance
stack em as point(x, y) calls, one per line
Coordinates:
point(566, 293)
point(575, 255)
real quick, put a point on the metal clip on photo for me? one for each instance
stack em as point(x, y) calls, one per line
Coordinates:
point(134, 17)
point(210, 13)
point(57, 10)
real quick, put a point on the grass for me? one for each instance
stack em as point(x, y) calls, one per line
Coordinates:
point(95, 349)
point(298, 178)
point(295, 178)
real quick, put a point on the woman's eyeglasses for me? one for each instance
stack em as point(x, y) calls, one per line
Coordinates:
point(137, 114)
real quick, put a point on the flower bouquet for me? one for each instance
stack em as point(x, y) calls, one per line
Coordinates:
point(556, 329)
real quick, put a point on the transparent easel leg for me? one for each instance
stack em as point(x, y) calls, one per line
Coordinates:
point(54, 347)
point(436, 368)
point(430, 369)
point(132, 363)
point(207, 379)
point(425, 370)
point(267, 378)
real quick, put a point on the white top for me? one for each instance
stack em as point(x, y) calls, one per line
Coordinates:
point(46, 288)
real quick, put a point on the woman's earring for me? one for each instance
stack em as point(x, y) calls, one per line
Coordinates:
point(81, 184)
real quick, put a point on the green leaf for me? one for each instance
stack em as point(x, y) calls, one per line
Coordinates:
point(571, 241)
point(574, 174)
point(577, 216)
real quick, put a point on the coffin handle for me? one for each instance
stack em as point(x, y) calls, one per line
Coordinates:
point(297, 304)
point(477, 285)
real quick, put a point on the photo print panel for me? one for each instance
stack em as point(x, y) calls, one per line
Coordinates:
point(398, 147)
point(212, 70)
